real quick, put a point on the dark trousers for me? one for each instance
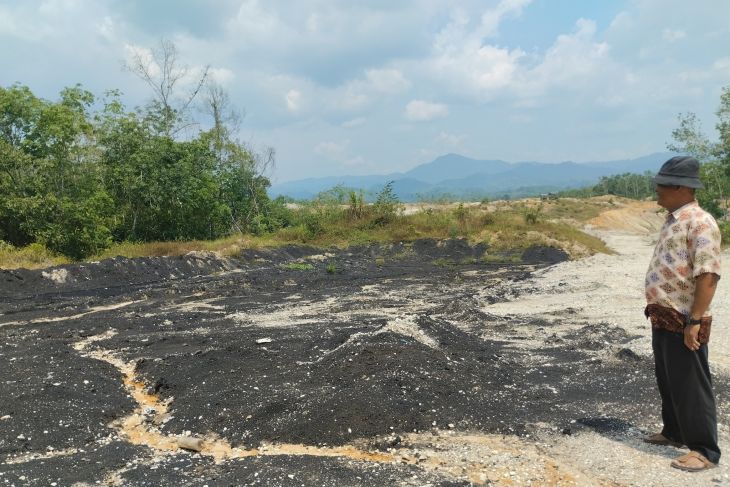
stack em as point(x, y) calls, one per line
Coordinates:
point(685, 384)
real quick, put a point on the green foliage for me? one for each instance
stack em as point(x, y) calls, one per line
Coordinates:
point(333, 196)
point(532, 214)
point(507, 258)
point(725, 231)
point(386, 205)
point(688, 138)
point(76, 181)
point(461, 213)
point(313, 225)
point(356, 209)
point(628, 185)
point(298, 266)
point(331, 268)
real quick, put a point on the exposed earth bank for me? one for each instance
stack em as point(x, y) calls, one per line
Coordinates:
point(422, 364)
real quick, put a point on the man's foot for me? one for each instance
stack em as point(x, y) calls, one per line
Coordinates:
point(660, 439)
point(692, 462)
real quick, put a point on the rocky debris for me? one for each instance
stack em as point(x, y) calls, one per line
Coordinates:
point(628, 354)
point(58, 276)
point(190, 443)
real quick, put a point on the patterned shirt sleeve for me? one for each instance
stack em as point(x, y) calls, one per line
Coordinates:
point(704, 242)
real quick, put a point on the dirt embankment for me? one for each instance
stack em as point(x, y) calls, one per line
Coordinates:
point(400, 365)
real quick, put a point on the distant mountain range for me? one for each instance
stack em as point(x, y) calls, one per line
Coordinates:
point(460, 177)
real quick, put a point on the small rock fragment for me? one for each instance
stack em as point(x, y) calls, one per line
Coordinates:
point(190, 443)
point(628, 355)
point(264, 340)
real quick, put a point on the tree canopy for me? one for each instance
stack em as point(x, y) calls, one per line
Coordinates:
point(81, 172)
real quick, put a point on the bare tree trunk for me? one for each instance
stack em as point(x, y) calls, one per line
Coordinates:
point(161, 72)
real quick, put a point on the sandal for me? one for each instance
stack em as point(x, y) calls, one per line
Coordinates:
point(660, 439)
point(693, 462)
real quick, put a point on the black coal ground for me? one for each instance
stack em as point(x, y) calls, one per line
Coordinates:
point(338, 372)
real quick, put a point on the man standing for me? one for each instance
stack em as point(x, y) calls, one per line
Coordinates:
point(680, 285)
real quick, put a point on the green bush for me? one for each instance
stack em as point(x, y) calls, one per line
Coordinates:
point(532, 215)
point(386, 206)
point(461, 213)
point(314, 225)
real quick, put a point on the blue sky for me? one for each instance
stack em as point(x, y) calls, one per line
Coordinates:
point(339, 87)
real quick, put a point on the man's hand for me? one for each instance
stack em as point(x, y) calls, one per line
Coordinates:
point(690, 337)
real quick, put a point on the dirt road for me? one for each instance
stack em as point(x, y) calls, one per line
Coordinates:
point(403, 365)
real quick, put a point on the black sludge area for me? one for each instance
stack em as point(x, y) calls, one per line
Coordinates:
point(293, 471)
point(95, 462)
point(293, 346)
point(54, 399)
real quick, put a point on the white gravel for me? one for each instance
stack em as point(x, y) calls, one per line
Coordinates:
point(609, 288)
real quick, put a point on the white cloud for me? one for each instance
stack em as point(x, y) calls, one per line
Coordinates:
point(670, 35)
point(254, 24)
point(144, 56)
point(332, 150)
point(354, 161)
point(388, 81)
point(362, 92)
point(451, 139)
point(572, 61)
point(423, 111)
point(106, 28)
point(492, 18)
point(622, 21)
point(53, 8)
point(293, 100)
point(339, 152)
point(8, 24)
point(468, 67)
point(222, 76)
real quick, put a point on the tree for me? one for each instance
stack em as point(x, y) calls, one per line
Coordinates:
point(714, 156)
point(160, 69)
point(49, 175)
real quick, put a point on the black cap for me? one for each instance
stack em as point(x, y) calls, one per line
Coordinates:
point(680, 171)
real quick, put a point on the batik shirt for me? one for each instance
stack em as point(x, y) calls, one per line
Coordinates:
point(689, 245)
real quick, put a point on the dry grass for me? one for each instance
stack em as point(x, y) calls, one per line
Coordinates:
point(34, 256)
point(503, 225)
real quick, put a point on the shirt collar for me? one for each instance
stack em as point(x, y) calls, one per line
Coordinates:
point(675, 213)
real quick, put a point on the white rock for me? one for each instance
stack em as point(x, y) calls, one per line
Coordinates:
point(264, 340)
point(190, 443)
point(58, 276)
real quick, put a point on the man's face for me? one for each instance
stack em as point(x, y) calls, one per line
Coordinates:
point(669, 197)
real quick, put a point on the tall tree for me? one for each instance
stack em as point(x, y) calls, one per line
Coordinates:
point(714, 156)
point(161, 70)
